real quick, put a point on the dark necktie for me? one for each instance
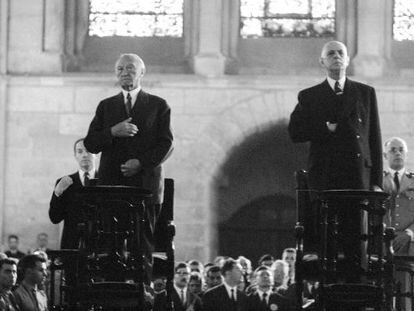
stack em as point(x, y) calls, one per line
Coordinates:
point(397, 181)
point(264, 301)
point(128, 105)
point(337, 89)
point(86, 180)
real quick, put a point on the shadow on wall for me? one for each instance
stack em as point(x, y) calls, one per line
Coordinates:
point(257, 179)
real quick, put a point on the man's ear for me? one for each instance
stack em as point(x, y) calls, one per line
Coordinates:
point(384, 154)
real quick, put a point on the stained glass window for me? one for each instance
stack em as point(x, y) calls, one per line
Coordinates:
point(287, 18)
point(136, 18)
point(403, 26)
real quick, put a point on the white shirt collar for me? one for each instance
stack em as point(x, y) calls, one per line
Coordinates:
point(133, 93)
point(401, 172)
point(229, 288)
point(260, 292)
point(332, 82)
point(82, 175)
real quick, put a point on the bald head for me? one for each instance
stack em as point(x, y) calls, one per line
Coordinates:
point(130, 69)
point(334, 59)
point(395, 152)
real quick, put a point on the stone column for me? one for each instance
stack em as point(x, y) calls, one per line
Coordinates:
point(374, 35)
point(3, 101)
point(209, 60)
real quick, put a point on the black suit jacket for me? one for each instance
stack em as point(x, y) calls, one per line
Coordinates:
point(193, 302)
point(217, 299)
point(151, 145)
point(64, 208)
point(275, 302)
point(351, 157)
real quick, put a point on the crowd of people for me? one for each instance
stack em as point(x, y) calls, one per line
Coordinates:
point(270, 284)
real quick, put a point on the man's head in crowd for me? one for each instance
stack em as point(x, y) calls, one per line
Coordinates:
point(213, 276)
point(232, 272)
point(266, 260)
point(129, 69)
point(8, 274)
point(289, 255)
point(195, 284)
point(13, 242)
point(280, 272)
point(264, 278)
point(181, 275)
point(34, 269)
point(85, 159)
point(246, 264)
point(395, 153)
point(196, 266)
point(42, 240)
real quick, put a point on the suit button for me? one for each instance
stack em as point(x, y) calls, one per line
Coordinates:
point(358, 155)
point(397, 223)
point(397, 205)
point(359, 120)
point(397, 215)
point(397, 196)
point(358, 137)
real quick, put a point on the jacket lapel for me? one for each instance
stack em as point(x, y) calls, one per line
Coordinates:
point(350, 100)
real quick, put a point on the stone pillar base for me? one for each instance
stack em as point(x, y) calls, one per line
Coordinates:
point(372, 66)
point(209, 65)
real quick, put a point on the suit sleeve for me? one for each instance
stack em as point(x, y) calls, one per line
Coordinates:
point(305, 125)
point(375, 143)
point(98, 137)
point(57, 207)
point(162, 148)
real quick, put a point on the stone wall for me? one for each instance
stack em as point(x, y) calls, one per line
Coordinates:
point(44, 115)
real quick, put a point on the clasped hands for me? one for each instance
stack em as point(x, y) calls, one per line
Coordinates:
point(130, 167)
point(124, 129)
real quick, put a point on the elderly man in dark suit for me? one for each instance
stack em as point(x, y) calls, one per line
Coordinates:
point(63, 206)
point(226, 297)
point(339, 117)
point(132, 130)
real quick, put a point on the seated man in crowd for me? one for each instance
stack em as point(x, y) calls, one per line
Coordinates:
point(264, 298)
point(29, 296)
point(213, 277)
point(42, 242)
point(266, 260)
point(182, 298)
point(8, 277)
point(195, 283)
point(13, 251)
point(289, 255)
point(226, 297)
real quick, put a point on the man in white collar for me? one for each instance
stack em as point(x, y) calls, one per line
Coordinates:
point(339, 118)
point(400, 184)
point(62, 204)
point(226, 297)
point(264, 299)
point(182, 298)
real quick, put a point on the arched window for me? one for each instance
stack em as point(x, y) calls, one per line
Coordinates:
point(403, 34)
point(282, 18)
point(285, 37)
point(160, 31)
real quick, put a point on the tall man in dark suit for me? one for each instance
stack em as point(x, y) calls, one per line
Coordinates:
point(226, 297)
point(62, 204)
point(132, 130)
point(339, 117)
